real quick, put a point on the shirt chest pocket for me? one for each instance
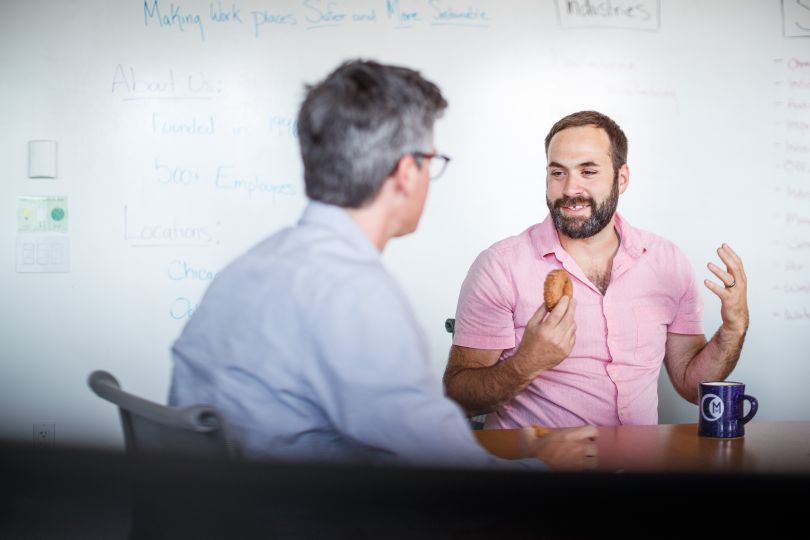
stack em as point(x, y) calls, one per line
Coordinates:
point(524, 311)
point(652, 322)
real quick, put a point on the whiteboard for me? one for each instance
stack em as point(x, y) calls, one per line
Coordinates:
point(177, 151)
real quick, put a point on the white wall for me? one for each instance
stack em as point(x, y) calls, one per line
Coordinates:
point(714, 96)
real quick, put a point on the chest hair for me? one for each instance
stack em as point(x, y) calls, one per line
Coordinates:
point(601, 280)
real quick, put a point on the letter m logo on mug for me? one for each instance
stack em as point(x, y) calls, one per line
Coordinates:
point(721, 409)
point(711, 407)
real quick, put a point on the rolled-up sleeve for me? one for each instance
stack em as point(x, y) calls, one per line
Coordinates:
point(485, 311)
point(689, 316)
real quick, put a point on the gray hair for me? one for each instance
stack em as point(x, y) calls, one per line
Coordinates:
point(355, 125)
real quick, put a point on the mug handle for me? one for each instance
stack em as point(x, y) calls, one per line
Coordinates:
point(752, 401)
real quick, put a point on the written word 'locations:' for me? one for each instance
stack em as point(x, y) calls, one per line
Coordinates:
point(796, 18)
point(189, 17)
point(170, 231)
point(627, 14)
point(170, 85)
point(224, 178)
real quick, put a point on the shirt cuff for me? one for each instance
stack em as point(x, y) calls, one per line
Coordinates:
point(484, 342)
point(686, 327)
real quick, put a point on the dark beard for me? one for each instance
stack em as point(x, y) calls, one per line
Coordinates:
point(601, 214)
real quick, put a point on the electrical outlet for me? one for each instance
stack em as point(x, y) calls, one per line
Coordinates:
point(44, 434)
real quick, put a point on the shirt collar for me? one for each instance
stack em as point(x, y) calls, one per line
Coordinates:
point(547, 241)
point(336, 219)
point(632, 240)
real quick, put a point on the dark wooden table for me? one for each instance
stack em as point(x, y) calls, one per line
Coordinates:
point(767, 447)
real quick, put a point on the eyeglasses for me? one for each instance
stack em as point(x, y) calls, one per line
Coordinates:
point(437, 163)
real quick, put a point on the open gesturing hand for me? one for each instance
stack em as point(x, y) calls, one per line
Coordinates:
point(733, 293)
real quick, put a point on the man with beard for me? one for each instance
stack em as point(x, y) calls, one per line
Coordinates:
point(593, 359)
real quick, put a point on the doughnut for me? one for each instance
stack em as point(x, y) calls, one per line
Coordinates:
point(557, 285)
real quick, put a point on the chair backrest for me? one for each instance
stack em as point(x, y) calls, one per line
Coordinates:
point(476, 422)
point(198, 430)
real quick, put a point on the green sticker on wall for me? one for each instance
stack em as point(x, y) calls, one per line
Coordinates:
point(42, 214)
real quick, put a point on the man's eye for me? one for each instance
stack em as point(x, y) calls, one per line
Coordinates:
point(588, 172)
point(556, 174)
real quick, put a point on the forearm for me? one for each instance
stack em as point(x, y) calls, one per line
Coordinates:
point(481, 390)
point(714, 361)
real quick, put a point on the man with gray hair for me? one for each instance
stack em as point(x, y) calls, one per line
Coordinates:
point(306, 344)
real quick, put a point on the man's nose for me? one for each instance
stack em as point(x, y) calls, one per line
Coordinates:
point(572, 186)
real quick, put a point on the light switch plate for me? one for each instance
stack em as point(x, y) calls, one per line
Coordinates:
point(43, 254)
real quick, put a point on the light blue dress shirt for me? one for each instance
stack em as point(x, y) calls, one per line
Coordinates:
point(311, 351)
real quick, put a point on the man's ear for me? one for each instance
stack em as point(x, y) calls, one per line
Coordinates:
point(403, 174)
point(624, 178)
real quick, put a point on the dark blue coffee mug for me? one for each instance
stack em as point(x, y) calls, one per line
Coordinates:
point(721, 409)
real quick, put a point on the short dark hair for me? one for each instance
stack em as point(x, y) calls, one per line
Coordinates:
point(618, 140)
point(355, 125)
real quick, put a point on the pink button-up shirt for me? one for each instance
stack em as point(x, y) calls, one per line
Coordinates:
point(610, 377)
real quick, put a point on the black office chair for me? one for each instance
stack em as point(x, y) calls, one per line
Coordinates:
point(476, 422)
point(152, 429)
point(198, 430)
